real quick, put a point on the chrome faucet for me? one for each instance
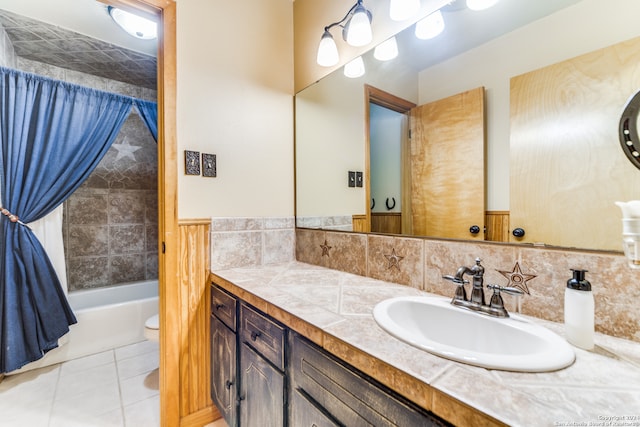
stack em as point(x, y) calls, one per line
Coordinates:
point(477, 301)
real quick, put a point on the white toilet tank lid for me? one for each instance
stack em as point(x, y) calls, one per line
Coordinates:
point(152, 322)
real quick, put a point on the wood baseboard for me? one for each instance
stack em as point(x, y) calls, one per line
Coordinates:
point(201, 418)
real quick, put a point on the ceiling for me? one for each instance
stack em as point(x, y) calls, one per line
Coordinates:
point(80, 35)
point(466, 29)
point(114, 55)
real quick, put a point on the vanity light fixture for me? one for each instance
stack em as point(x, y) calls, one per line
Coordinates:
point(134, 25)
point(386, 50)
point(399, 10)
point(480, 4)
point(327, 51)
point(355, 68)
point(430, 26)
point(356, 30)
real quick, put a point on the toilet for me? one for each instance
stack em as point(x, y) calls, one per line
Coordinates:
point(152, 328)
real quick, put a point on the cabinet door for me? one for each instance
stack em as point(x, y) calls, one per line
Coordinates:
point(261, 391)
point(349, 397)
point(307, 414)
point(223, 370)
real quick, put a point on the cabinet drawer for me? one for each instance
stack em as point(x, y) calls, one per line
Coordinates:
point(223, 306)
point(262, 334)
point(351, 398)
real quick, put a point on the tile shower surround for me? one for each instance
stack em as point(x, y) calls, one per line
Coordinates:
point(110, 224)
point(425, 261)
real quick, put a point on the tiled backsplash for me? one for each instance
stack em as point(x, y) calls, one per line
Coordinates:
point(335, 222)
point(543, 272)
point(239, 242)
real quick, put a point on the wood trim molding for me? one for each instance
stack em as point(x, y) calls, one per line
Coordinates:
point(200, 418)
point(168, 221)
point(168, 260)
point(196, 221)
point(392, 102)
point(388, 100)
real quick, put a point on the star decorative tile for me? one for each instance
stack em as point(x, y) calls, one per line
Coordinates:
point(325, 248)
point(517, 278)
point(126, 150)
point(394, 260)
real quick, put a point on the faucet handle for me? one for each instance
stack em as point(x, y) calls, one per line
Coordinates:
point(461, 293)
point(496, 303)
point(455, 280)
point(506, 289)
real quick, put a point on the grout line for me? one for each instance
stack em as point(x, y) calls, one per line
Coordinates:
point(55, 393)
point(115, 359)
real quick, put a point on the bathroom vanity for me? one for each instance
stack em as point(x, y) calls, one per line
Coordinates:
point(296, 345)
point(253, 386)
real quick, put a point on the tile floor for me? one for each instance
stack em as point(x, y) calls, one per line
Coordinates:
point(116, 388)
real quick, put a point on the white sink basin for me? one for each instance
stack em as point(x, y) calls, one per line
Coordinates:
point(512, 344)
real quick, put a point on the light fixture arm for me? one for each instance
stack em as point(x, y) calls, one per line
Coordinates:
point(346, 17)
point(356, 31)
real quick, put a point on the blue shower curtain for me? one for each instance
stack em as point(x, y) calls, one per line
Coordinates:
point(52, 136)
point(149, 112)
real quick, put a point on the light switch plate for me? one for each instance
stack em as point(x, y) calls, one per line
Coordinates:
point(352, 179)
point(358, 179)
point(209, 168)
point(191, 162)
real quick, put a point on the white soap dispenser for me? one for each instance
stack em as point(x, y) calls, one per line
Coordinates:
point(579, 311)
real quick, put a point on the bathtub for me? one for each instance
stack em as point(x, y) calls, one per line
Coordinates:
point(108, 318)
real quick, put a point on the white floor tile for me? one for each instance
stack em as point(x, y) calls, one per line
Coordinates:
point(139, 388)
point(26, 415)
point(145, 413)
point(29, 389)
point(87, 362)
point(142, 347)
point(101, 399)
point(93, 391)
point(137, 365)
point(109, 419)
point(81, 382)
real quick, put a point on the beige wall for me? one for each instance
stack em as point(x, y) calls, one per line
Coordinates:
point(578, 29)
point(330, 136)
point(235, 87)
point(311, 16)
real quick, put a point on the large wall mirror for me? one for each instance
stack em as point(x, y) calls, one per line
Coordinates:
point(554, 77)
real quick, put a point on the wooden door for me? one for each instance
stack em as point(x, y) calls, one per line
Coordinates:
point(447, 166)
point(566, 165)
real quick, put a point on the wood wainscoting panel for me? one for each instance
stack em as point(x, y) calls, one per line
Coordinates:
point(360, 223)
point(196, 407)
point(497, 223)
point(386, 222)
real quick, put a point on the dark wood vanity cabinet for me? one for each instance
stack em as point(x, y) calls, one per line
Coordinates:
point(247, 363)
point(263, 374)
point(262, 378)
point(224, 358)
point(344, 396)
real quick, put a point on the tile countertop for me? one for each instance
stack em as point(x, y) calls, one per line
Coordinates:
point(601, 386)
